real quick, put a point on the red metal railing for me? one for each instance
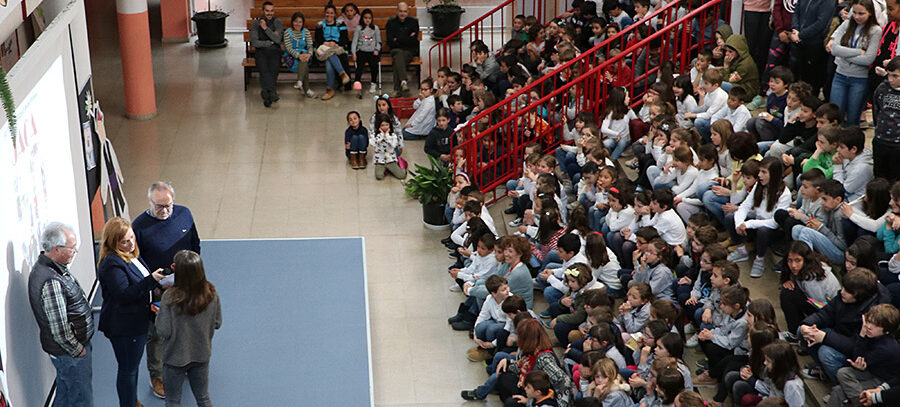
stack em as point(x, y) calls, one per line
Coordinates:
point(492, 28)
point(494, 155)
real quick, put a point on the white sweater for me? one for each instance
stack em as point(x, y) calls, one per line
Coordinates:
point(738, 117)
point(763, 217)
point(616, 129)
point(683, 180)
point(479, 267)
point(689, 195)
point(712, 103)
point(608, 273)
point(491, 311)
point(615, 221)
point(671, 227)
point(685, 106)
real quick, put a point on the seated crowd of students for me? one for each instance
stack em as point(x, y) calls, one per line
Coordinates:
point(636, 266)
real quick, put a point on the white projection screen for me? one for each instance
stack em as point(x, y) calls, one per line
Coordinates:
point(42, 179)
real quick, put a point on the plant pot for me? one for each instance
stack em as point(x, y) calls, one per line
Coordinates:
point(433, 216)
point(445, 20)
point(210, 29)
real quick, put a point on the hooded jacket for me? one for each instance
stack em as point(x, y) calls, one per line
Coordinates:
point(725, 31)
point(743, 65)
point(855, 174)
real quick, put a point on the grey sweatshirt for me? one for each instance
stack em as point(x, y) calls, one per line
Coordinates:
point(365, 39)
point(855, 174)
point(849, 59)
point(272, 36)
point(187, 338)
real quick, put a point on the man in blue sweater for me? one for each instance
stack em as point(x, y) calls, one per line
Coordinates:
point(160, 232)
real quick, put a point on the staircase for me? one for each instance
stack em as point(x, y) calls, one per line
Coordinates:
point(583, 88)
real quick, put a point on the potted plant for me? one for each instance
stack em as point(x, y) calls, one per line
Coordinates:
point(431, 187)
point(444, 17)
point(210, 27)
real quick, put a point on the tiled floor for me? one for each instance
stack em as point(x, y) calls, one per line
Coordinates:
point(247, 171)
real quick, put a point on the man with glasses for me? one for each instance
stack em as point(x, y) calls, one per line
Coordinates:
point(64, 316)
point(160, 232)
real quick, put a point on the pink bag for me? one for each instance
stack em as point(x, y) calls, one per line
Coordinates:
point(402, 163)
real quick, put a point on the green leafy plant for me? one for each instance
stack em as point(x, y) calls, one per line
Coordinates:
point(9, 105)
point(430, 185)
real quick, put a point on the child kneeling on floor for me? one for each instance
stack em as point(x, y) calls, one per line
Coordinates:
point(386, 142)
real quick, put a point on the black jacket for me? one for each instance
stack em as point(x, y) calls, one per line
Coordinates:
point(438, 142)
point(126, 297)
point(882, 355)
point(403, 34)
point(843, 320)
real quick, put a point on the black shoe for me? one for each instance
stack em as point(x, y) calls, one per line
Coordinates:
point(446, 241)
point(471, 334)
point(267, 103)
point(454, 319)
point(275, 99)
point(511, 210)
point(469, 395)
point(462, 325)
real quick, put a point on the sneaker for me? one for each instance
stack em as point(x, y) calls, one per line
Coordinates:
point(298, 85)
point(826, 398)
point(477, 354)
point(373, 88)
point(788, 337)
point(455, 288)
point(469, 395)
point(462, 325)
point(509, 211)
point(310, 94)
point(156, 385)
point(703, 364)
point(812, 373)
point(456, 318)
point(536, 284)
point(545, 314)
point(689, 329)
point(739, 254)
point(404, 87)
point(519, 234)
point(758, 268)
point(778, 267)
point(515, 223)
point(693, 341)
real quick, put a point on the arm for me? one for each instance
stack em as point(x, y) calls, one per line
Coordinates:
point(458, 233)
point(255, 40)
point(114, 274)
point(431, 145)
point(275, 32)
point(683, 188)
point(741, 214)
point(732, 338)
point(54, 305)
point(356, 39)
point(784, 202)
point(606, 130)
point(824, 10)
point(164, 319)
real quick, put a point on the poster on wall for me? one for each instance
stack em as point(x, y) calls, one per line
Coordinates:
point(37, 184)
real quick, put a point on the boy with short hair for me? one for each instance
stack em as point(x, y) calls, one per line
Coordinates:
point(826, 237)
point(667, 222)
point(886, 112)
point(798, 92)
point(486, 66)
point(457, 109)
point(552, 279)
point(853, 164)
point(700, 66)
point(518, 28)
point(798, 133)
point(615, 12)
point(735, 111)
point(709, 314)
point(515, 188)
point(823, 156)
point(483, 263)
point(538, 390)
point(875, 356)
point(713, 99)
point(490, 320)
point(437, 144)
point(810, 206)
point(766, 127)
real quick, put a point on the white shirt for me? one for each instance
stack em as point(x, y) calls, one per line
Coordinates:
point(671, 227)
point(616, 129)
point(712, 103)
point(764, 218)
point(738, 117)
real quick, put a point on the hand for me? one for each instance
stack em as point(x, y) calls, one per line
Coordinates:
point(305, 57)
point(463, 251)
point(552, 323)
point(813, 223)
point(669, 149)
point(741, 229)
point(730, 208)
point(720, 190)
point(880, 71)
point(83, 352)
point(845, 15)
point(795, 36)
point(690, 115)
point(836, 159)
point(684, 281)
point(566, 301)
point(602, 206)
point(784, 37)
point(520, 398)
point(691, 301)
point(706, 318)
point(626, 231)
point(501, 365)
point(263, 24)
point(746, 373)
point(788, 285)
point(466, 288)
point(705, 335)
point(866, 396)
point(158, 274)
point(454, 272)
point(351, 57)
point(847, 210)
point(831, 42)
point(645, 351)
point(679, 249)
point(734, 77)
point(767, 117)
point(787, 159)
point(522, 229)
point(347, 145)
point(636, 381)
point(858, 364)
point(625, 307)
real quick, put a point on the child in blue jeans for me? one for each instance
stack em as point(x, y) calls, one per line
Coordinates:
point(356, 141)
point(491, 319)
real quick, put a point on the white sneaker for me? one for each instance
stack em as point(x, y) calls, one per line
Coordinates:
point(758, 267)
point(693, 341)
point(689, 329)
point(515, 222)
point(738, 255)
point(298, 85)
point(455, 288)
point(403, 86)
point(310, 94)
point(373, 88)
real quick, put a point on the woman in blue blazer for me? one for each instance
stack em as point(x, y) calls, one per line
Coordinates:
point(126, 284)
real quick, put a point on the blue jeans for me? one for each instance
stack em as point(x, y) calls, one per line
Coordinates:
point(596, 218)
point(129, 351)
point(359, 143)
point(818, 242)
point(848, 93)
point(702, 125)
point(616, 146)
point(763, 147)
point(488, 386)
point(698, 319)
point(830, 359)
point(552, 295)
point(73, 380)
point(713, 204)
point(653, 172)
point(448, 213)
point(727, 86)
point(487, 330)
point(333, 68)
point(409, 136)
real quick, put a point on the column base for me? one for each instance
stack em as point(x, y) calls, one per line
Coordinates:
point(147, 116)
point(176, 40)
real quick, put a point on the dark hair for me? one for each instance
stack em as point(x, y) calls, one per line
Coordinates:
point(644, 291)
point(475, 227)
point(595, 250)
point(267, 3)
point(539, 380)
point(738, 92)
point(472, 206)
point(853, 137)
point(878, 198)
point(864, 253)
point(330, 5)
point(363, 15)
point(604, 332)
point(832, 188)
point(689, 398)
point(357, 115)
point(830, 111)
point(814, 176)
point(666, 253)
point(894, 65)
point(673, 344)
point(623, 194)
point(761, 335)
point(763, 310)
point(549, 225)
point(885, 316)
point(300, 16)
point(533, 337)
point(569, 242)
point(648, 233)
point(707, 152)
point(729, 271)
point(861, 283)
point(191, 293)
point(663, 197)
point(683, 154)
point(812, 269)
point(671, 382)
point(668, 312)
point(578, 221)
point(665, 92)
point(735, 295)
point(684, 83)
point(615, 103)
point(751, 168)
point(812, 102)
point(442, 112)
point(784, 365)
point(387, 100)
point(776, 183)
point(598, 298)
point(514, 304)
point(742, 145)
point(519, 244)
point(494, 282)
point(783, 73)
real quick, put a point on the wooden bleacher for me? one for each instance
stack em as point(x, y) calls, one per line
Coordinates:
point(382, 10)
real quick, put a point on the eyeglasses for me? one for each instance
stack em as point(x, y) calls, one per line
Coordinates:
point(163, 206)
point(73, 248)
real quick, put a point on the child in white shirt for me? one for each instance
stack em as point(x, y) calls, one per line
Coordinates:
point(735, 111)
point(713, 99)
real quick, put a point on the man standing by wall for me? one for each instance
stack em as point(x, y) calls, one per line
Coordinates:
point(403, 38)
point(266, 37)
point(64, 316)
point(160, 232)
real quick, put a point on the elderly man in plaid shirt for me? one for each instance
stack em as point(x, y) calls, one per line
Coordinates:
point(63, 314)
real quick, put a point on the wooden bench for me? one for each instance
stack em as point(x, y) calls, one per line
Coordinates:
point(249, 62)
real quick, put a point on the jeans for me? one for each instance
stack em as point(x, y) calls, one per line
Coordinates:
point(702, 125)
point(596, 218)
point(268, 62)
point(154, 352)
point(818, 242)
point(491, 382)
point(487, 330)
point(616, 146)
point(198, 377)
point(848, 93)
point(552, 295)
point(653, 172)
point(410, 136)
point(358, 143)
point(73, 380)
point(830, 359)
point(713, 204)
point(763, 236)
point(333, 68)
point(129, 350)
point(698, 319)
point(764, 130)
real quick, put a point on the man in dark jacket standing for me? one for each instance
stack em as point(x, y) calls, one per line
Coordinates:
point(266, 35)
point(809, 26)
point(403, 38)
point(63, 314)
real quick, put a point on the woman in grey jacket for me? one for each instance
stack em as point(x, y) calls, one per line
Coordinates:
point(366, 47)
point(189, 314)
point(854, 45)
